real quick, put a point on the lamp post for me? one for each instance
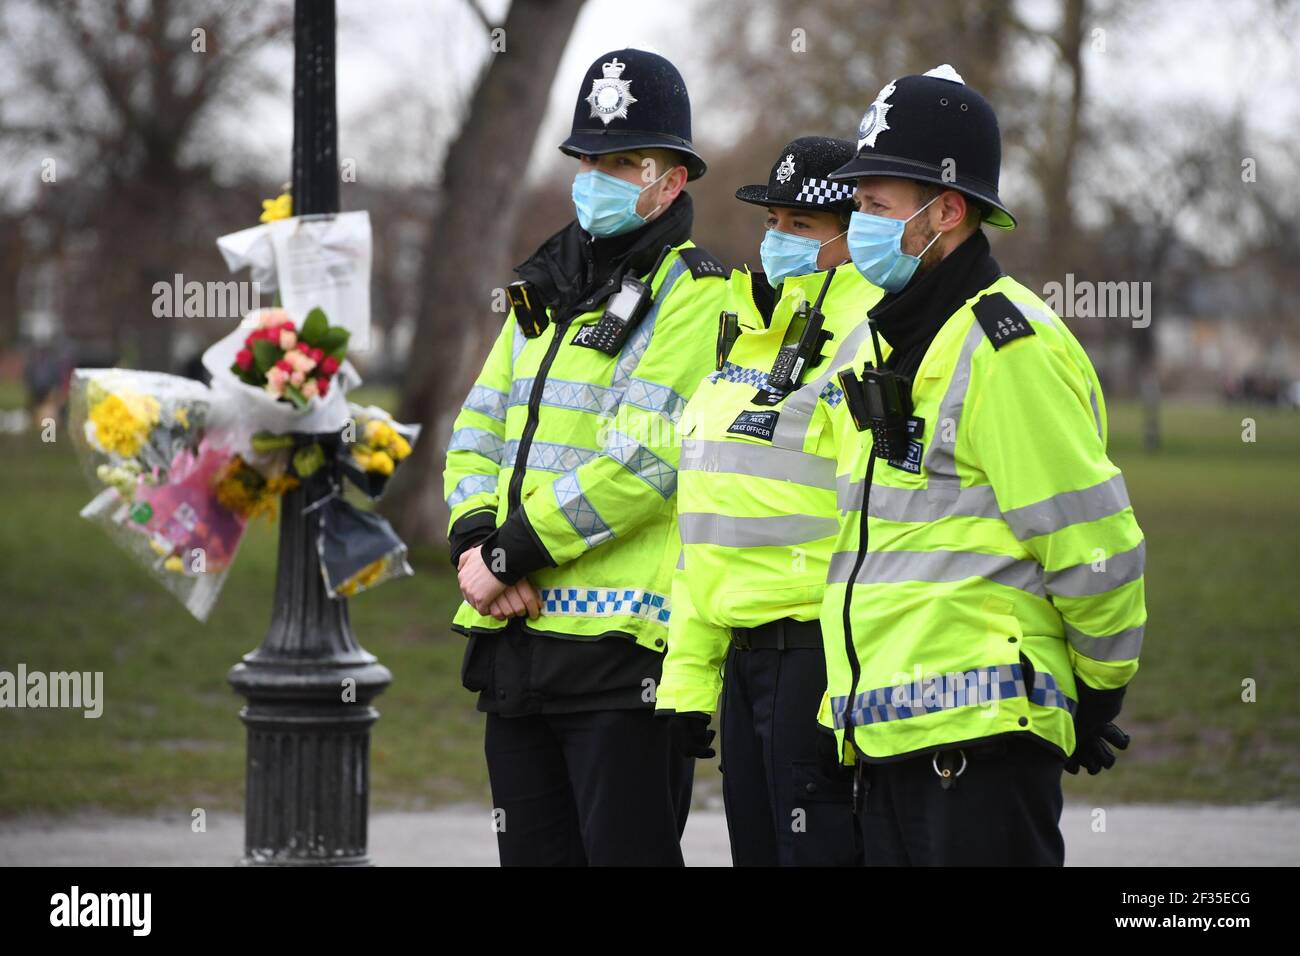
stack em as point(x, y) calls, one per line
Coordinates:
point(309, 686)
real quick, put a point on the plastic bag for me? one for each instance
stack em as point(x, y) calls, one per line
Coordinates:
point(358, 549)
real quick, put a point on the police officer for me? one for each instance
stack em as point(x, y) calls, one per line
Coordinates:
point(986, 595)
point(761, 448)
point(561, 476)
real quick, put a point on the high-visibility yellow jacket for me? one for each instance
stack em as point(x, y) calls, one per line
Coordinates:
point(596, 436)
point(1002, 562)
point(756, 489)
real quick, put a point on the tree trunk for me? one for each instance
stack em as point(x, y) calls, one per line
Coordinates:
point(465, 253)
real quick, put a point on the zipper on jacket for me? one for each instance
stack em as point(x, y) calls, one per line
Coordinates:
point(534, 410)
point(855, 666)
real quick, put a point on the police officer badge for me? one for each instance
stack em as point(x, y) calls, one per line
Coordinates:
point(873, 120)
point(786, 170)
point(611, 95)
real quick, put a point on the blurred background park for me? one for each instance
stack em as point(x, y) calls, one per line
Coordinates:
point(1144, 142)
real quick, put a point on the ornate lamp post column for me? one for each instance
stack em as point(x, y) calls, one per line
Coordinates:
point(310, 685)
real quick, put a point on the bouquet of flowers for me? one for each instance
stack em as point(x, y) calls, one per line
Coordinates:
point(131, 426)
point(181, 467)
point(179, 529)
point(292, 364)
point(379, 445)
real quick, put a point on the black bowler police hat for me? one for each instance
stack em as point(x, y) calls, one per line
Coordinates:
point(633, 99)
point(935, 129)
point(800, 177)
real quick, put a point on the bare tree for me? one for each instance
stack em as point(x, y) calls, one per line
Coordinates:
point(114, 94)
point(468, 241)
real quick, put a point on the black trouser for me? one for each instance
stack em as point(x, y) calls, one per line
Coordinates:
point(1004, 810)
point(782, 807)
point(597, 788)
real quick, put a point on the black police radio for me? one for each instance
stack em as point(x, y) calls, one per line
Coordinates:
point(802, 345)
point(880, 401)
point(626, 308)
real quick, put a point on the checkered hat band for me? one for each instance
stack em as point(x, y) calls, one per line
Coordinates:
point(823, 191)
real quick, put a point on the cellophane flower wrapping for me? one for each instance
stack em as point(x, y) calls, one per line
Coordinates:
point(358, 549)
point(129, 426)
point(375, 447)
point(177, 528)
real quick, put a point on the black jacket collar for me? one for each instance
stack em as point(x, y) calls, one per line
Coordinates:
point(909, 320)
point(574, 271)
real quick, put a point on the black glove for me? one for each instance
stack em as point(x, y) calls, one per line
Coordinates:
point(1094, 755)
point(1094, 728)
point(691, 735)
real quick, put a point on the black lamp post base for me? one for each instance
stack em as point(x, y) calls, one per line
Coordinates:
point(308, 761)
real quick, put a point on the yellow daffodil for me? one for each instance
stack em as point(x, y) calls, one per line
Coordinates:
point(281, 207)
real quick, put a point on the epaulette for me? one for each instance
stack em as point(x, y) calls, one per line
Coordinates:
point(702, 264)
point(1002, 321)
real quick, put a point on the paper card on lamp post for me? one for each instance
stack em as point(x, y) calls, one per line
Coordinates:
point(315, 262)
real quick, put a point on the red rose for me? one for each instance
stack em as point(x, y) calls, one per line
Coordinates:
point(283, 365)
point(322, 386)
point(329, 365)
point(285, 326)
point(244, 359)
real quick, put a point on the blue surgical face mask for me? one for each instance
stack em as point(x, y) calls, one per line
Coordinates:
point(785, 255)
point(606, 205)
point(875, 245)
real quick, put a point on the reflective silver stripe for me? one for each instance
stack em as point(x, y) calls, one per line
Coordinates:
point(797, 410)
point(704, 528)
point(654, 398)
point(639, 340)
point(681, 560)
point(558, 393)
point(939, 567)
point(1069, 508)
point(940, 462)
point(642, 462)
point(581, 513)
point(848, 493)
point(1085, 580)
point(1096, 412)
point(487, 401)
point(517, 343)
point(469, 486)
point(918, 504)
point(760, 461)
point(1124, 646)
point(476, 440)
point(548, 456)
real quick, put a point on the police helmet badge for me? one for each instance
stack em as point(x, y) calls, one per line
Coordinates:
point(785, 171)
point(610, 94)
point(873, 120)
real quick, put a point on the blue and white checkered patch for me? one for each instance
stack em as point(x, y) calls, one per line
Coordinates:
point(745, 376)
point(978, 686)
point(606, 602)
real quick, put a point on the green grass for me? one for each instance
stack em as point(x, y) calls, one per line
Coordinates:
point(1222, 520)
